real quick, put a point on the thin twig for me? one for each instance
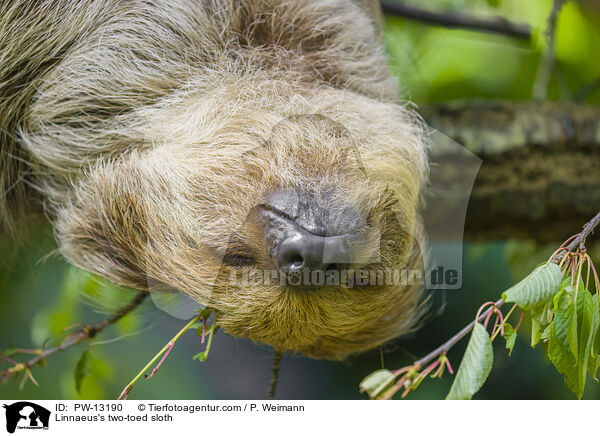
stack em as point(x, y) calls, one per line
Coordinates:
point(86, 332)
point(275, 371)
point(15, 351)
point(455, 20)
point(170, 347)
point(166, 349)
point(586, 90)
point(544, 74)
point(457, 337)
point(579, 240)
point(8, 359)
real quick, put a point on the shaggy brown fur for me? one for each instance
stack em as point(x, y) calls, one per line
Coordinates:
point(150, 130)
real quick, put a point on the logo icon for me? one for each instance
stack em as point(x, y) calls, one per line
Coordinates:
point(26, 415)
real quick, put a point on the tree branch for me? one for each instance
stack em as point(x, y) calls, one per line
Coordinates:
point(86, 332)
point(579, 241)
point(540, 89)
point(454, 20)
point(539, 173)
point(445, 347)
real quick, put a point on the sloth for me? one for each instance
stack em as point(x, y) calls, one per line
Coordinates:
point(197, 144)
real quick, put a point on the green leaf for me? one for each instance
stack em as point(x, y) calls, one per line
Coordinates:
point(537, 288)
point(594, 358)
point(540, 320)
point(82, 370)
point(572, 337)
point(536, 329)
point(546, 333)
point(377, 381)
point(510, 335)
point(475, 366)
point(585, 316)
point(572, 328)
point(202, 356)
point(559, 350)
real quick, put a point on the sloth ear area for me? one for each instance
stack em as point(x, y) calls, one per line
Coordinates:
point(102, 227)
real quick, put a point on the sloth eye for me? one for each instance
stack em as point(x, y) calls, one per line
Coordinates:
point(238, 259)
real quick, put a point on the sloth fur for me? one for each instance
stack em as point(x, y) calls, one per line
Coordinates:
point(148, 131)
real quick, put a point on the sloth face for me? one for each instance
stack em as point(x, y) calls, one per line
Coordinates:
point(302, 232)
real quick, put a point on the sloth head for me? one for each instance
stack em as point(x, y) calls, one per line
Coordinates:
point(300, 231)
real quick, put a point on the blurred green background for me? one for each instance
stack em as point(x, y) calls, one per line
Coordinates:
point(42, 295)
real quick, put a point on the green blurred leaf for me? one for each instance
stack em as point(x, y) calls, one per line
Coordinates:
point(474, 367)
point(83, 368)
point(51, 321)
point(537, 288)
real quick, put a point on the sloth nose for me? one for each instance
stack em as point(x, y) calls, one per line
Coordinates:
point(303, 251)
point(310, 237)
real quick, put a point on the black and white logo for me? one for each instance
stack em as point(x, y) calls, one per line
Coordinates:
point(26, 415)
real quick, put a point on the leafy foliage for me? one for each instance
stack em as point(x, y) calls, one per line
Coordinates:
point(564, 314)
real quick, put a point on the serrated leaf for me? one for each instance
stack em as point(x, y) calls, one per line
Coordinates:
point(537, 288)
point(559, 350)
point(475, 366)
point(572, 337)
point(564, 299)
point(510, 335)
point(83, 368)
point(377, 381)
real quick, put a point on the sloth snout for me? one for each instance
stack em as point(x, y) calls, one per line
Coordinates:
point(310, 235)
point(301, 250)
